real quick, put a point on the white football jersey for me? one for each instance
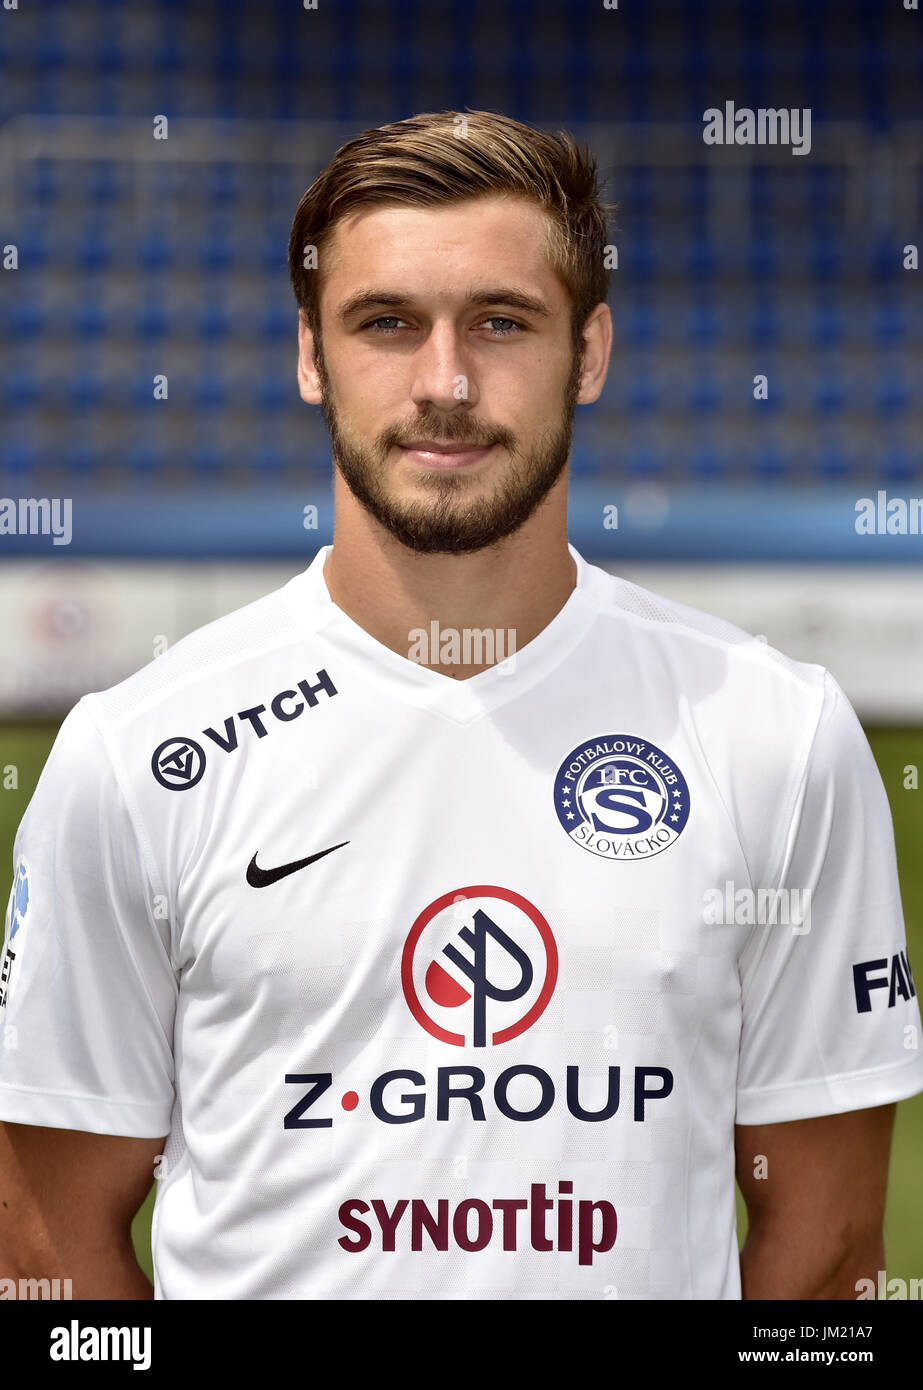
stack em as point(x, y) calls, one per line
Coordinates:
point(455, 989)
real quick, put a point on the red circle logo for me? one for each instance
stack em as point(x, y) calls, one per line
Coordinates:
point(483, 957)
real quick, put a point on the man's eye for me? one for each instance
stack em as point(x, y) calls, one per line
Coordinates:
point(504, 332)
point(385, 318)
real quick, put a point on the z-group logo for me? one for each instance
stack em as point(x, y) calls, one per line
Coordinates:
point(479, 967)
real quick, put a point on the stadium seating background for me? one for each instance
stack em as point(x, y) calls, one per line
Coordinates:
point(140, 257)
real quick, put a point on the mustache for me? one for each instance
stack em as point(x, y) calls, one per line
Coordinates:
point(445, 433)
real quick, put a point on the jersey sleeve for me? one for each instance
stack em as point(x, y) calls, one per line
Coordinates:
point(87, 988)
point(830, 1016)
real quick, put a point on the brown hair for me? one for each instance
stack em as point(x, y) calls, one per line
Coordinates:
point(448, 157)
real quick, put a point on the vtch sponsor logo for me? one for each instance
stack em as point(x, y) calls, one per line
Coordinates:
point(179, 762)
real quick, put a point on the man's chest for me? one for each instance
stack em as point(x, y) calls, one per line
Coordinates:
point(470, 887)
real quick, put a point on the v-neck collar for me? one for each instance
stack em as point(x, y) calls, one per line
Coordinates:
point(461, 701)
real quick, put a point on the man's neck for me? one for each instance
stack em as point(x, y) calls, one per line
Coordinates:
point(511, 590)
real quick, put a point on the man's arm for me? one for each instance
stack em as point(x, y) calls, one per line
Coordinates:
point(67, 1199)
point(816, 1216)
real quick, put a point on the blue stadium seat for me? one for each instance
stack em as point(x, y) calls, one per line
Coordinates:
point(106, 183)
point(765, 323)
point(898, 465)
point(893, 395)
point(272, 393)
point(269, 459)
point(827, 322)
point(85, 391)
point(90, 320)
point(228, 59)
point(94, 252)
point(109, 58)
point(765, 259)
point(145, 459)
point(703, 323)
point(19, 454)
point(642, 395)
point(769, 464)
point(213, 321)
point(833, 463)
point(20, 385)
point(583, 459)
point(890, 321)
point(826, 259)
point(702, 264)
point(36, 243)
point(223, 184)
point(50, 55)
point(886, 256)
point(216, 254)
point(705, 395)
point(831, 393)
point(27, 319)
point(211, 391)
point(706, 462)
point(152, 322)
point(208, 461)
point(644, 461)
point(277, 321)
point(639, 257)
point(42, 184)
point(81, 455)
point(156, 251)
point(642, 322)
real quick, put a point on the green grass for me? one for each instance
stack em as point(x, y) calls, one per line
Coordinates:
point(26, 747)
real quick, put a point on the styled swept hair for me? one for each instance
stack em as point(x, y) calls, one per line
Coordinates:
point(449, 157)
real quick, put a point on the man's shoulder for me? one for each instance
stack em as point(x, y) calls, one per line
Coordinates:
point(217, 655)
point(694, 636)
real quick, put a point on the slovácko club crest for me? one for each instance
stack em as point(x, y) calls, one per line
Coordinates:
point(621, 797)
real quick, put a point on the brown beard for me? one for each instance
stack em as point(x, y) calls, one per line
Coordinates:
point(445, 525)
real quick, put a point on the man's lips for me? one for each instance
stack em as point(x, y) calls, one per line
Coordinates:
point(431, 454)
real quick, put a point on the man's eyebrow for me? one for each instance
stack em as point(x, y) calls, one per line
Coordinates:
point(506, 295)
point(500, 295)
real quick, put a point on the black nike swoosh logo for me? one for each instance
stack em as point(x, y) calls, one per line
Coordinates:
point(262, 878)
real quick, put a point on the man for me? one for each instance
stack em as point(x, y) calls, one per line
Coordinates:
point(431, 979)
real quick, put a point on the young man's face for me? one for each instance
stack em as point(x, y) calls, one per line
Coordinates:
point(446, 369)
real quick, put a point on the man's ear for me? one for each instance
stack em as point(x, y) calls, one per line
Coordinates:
point(597, 346)
point(309, 386)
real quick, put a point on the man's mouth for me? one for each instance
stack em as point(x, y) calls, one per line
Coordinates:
point(432, 453)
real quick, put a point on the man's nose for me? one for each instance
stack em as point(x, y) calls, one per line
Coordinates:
point(443, 374)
